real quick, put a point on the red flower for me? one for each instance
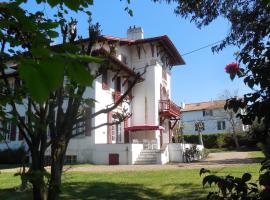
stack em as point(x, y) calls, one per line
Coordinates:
point(232, 68)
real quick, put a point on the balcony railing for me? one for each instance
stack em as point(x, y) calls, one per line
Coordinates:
point(168, 109)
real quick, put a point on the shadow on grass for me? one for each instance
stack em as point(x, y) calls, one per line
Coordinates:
point(115, 191)
point(231, 161)
point(11, 194)
point(9, 166)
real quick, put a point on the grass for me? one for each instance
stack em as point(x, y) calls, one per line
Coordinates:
point(256, 154)
point(167, 184)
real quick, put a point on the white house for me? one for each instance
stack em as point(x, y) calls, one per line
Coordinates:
point(146, 137)
point(213, 116)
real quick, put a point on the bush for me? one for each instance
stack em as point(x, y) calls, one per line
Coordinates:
point(12, 156)
point(221, 140)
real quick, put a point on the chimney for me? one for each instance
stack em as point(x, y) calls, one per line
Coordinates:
point(135, 33)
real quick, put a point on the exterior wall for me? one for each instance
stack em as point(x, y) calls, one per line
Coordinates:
point(144, 107)
point(128, 153)
point(163, 156)
point(176, 151)
point(210, 122)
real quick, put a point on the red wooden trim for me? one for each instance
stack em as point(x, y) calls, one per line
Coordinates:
point(161, 139)
point(109, 135)
point(144, 128)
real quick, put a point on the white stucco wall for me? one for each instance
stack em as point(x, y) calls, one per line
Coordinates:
point(176, 151)
point(210, 122)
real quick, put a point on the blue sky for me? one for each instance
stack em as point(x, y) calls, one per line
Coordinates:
point(203, 77)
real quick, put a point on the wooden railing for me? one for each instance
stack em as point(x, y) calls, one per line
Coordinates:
point(168, 108)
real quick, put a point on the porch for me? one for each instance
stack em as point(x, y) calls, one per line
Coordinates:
point(148, 135)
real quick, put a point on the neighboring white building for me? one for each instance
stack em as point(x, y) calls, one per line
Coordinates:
point(213, 116)
point(146, 136)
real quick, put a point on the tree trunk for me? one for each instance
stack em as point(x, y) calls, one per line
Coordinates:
point(235, 139)
point(57, 155)
point(200, 138)
point(36, 171)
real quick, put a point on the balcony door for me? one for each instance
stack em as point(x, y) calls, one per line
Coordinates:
point(163, 93)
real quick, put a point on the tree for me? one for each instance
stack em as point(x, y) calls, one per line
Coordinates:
point(199, 127)
point(231, 116)
point(52, 101)
point(249, 30)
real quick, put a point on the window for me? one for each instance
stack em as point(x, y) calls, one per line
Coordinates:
point(70, 159)
point(221, 125)
point(128, 86)
point(207, 113)
point(116, 133)
point(80, 128)
point(118, 84)
point(105, 80)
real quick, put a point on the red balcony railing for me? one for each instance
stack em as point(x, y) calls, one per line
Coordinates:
point(168, 109)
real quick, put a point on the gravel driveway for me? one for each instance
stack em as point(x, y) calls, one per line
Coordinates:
point(213, 160)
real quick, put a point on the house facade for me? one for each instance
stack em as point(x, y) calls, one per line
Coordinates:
point(146, 136)
point(213, 116)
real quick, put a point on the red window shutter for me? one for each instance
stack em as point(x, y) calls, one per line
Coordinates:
point(88, 122)
point(109, 128)
point(13, 132)
point(20, 133)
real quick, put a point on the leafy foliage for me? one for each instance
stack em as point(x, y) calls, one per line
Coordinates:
point(234, 188)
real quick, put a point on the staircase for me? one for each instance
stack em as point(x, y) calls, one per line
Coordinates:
point(147, 157)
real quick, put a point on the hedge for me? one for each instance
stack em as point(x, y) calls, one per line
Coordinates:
point(12, 156)
point(221, 140)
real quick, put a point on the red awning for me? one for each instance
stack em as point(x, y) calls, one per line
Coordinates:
point(144, 128)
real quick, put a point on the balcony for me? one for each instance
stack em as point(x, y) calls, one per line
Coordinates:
point(168, 109)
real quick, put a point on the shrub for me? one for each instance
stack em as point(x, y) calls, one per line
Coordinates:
point(12, 156)
point(234, 188)
point(221, 140)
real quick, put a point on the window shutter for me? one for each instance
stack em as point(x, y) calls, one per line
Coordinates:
point(88, 122)
point(109, 135)
point(20, 133)
point(13, 131)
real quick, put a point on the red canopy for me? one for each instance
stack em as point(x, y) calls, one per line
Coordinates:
point(144, 128)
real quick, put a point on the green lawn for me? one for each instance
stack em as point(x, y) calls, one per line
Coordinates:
point(257, 154)
point(171, 184)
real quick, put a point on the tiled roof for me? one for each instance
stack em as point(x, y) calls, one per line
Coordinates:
point(164, 41)
point(204, 105)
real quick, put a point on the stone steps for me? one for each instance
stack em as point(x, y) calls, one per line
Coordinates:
point(147, 157)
